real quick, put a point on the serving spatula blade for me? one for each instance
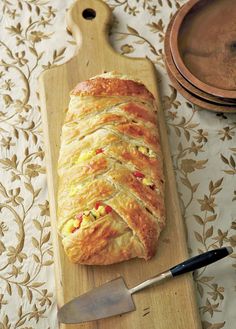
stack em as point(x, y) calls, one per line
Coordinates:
point(112, 298)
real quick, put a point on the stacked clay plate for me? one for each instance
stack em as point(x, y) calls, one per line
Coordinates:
point(200, 53)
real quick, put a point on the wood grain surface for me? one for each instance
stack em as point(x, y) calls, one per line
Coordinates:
point(173, 304)
point(203, 43)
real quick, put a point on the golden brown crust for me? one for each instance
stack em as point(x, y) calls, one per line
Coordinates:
point(146, 195)
point(136, 131)
point(97, 244)
point(129, 154)
point(112, 87)
point(85, 198)
point(110, 193)
point(140, 112)
point(139, 220)
point(78, 109)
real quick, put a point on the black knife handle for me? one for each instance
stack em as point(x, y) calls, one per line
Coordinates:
point(199, 261)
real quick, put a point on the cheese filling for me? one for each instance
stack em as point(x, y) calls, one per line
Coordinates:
point(87, 155)
point(146, 151)
point(86, 218)
point(145, 181)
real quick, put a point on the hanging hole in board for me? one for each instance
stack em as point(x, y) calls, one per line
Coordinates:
point(89, 14)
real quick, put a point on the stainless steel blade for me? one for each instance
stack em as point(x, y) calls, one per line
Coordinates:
point(110, 299)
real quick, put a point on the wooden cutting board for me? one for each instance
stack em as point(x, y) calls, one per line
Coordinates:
point(173, 304)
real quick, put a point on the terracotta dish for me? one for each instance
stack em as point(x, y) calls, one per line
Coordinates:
point(203, 45)
point(197, 100)
point(185, 83)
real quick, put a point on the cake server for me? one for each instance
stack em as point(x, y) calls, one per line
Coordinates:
point(113, 298)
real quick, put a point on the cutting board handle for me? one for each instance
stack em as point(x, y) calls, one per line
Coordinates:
point(89, 22)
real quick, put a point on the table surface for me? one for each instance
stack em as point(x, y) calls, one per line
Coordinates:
point(33, 38)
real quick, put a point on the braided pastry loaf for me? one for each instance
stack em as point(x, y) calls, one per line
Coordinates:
point(110, 197)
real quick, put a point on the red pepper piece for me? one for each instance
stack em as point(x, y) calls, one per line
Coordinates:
point(79, 216)
point(108, 209)
point(99, 151)
point(97, 204)
point(138, 174)
point(77, 222)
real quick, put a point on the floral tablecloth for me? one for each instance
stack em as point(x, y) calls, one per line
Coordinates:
point(203, 144)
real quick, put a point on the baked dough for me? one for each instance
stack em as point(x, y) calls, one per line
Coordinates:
point(111, 185)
